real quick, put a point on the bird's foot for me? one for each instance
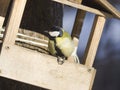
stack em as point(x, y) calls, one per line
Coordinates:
point(60, 60)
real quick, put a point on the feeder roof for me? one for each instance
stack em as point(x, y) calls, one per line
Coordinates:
point(99, 7)
point(102, 5)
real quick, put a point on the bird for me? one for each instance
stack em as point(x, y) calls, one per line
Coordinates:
point(61, 45)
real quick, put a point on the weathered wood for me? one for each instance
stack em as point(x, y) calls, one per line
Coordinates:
point(26, 36)
point(43, 70)
point(85, 8)
point(14, 22)
point(78, 23)
point(78, 27)
point(94, 40)
point(29, 41)
point(75, 1)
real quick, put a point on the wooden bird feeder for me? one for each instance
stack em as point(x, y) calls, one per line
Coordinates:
point(39, 69)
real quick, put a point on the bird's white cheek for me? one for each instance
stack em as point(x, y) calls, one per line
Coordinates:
point(54, 34)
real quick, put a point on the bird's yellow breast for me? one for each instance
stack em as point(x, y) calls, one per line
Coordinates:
point(65, 44)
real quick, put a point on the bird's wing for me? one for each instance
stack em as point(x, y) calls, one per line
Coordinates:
point(51, 47)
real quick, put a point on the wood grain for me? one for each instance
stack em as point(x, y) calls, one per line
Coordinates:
point(43, 70)
point(75, 1)
point(14, 22)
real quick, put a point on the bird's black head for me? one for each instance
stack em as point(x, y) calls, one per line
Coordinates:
point(55, 31)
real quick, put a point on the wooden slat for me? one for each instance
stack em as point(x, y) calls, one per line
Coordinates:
point(43, 70)
point(94, 40)
point(75, 1)
point(78, 23)
point(32, 40)
point(85, 8)
point(14, 22)
point(78, 27)
point(109, 7)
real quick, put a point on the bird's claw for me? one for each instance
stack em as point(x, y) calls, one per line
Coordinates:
point(60, 60)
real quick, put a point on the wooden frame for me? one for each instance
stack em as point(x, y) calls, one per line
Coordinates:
point(42, 70)
point(82, 7)
point(109, 7)
point(38, 69)
point(94, 40)
point(13, 23)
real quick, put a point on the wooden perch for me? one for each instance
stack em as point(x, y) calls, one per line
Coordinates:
point(30, 40)
point(43, 70)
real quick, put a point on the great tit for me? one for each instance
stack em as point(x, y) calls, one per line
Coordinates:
point(60, 44)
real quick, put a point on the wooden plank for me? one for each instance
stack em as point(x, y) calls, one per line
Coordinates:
point(1, 21)
point(80, 15)
point(14, 22)
point(43, 70)
point(109, 7)
point(75, 1)
point(94, 40)
point(77, 25)
point(85, 8)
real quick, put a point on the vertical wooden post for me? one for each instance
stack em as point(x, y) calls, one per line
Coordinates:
point(13, 23)
point(94, 40)
point(78, 25)
point(78, 22)
point(80, 15)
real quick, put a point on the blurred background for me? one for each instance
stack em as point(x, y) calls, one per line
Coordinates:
point(107, 61)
